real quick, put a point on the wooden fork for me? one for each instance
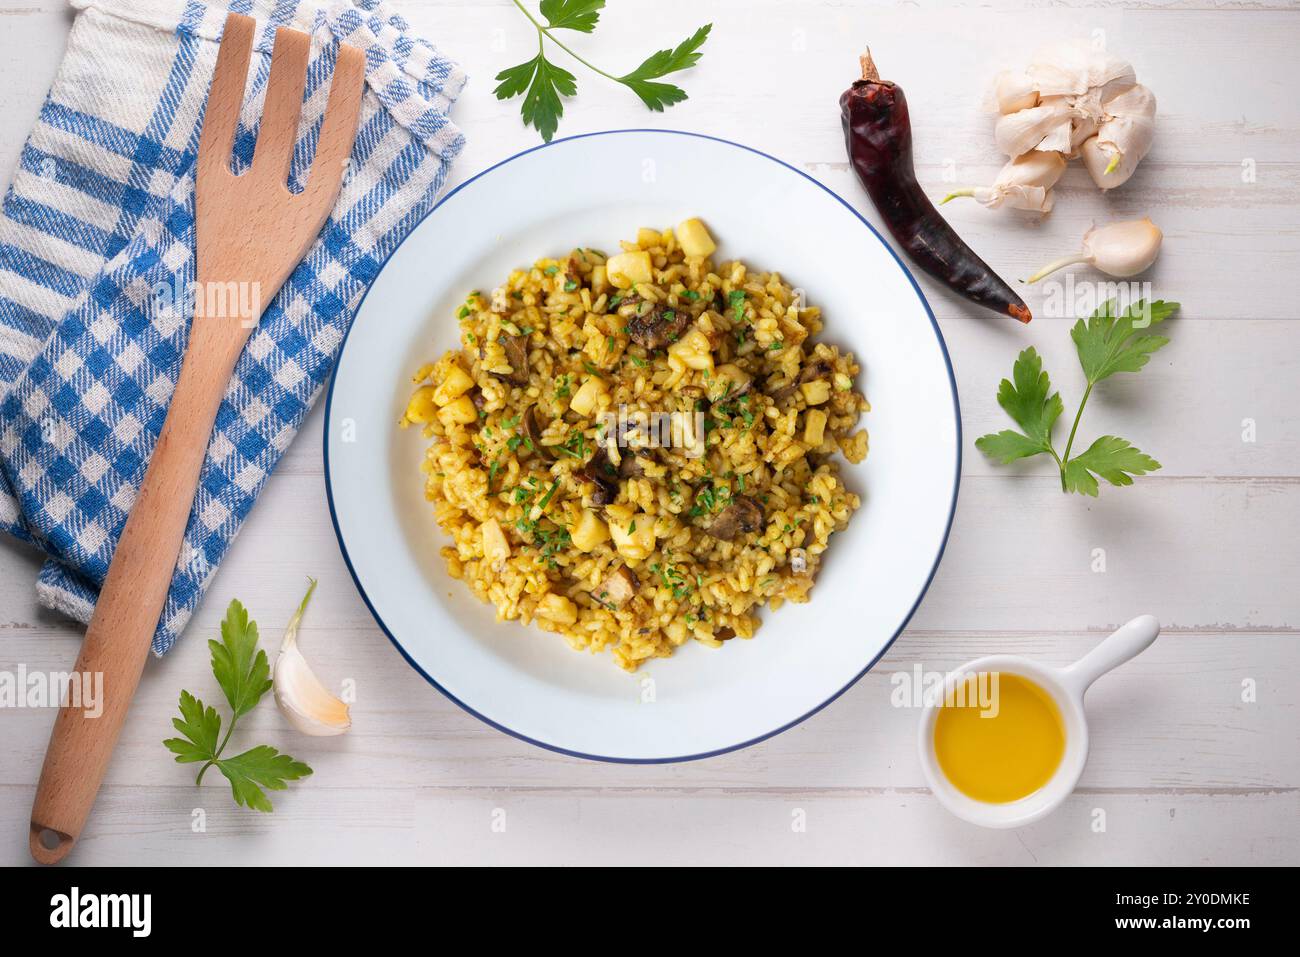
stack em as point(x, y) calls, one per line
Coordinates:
point(249, 229)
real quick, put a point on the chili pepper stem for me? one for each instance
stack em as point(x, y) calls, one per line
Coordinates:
point(1058, 264)
point(869, 71)
point(957, 192)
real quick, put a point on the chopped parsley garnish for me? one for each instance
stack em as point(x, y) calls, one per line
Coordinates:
point(706, 501)
point(546, 499)
point(736, 300)
point(575, 446)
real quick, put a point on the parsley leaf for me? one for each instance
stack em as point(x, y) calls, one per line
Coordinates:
point(515, 79)
point(1008, 445)
point(662, 62)
point(200, 726)
point(241, 670)
point(1107, 342)
point(545, 83)
point(261, 767)
point(1033, 406)
point(580, 15)
point(1111, 458)
point(240, 666)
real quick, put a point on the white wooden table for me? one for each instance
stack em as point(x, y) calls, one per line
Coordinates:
point(1184, 769)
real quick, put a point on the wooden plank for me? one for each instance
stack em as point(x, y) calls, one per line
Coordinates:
point(683, 827)
point(946, 83)
point(35, 33)
point(850, 828)
point(1173, 718)
point(1204, 243)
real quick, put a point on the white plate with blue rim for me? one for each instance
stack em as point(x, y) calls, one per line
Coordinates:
point(590, 191)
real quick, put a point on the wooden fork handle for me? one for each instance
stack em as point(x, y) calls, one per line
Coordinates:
point(131, 601)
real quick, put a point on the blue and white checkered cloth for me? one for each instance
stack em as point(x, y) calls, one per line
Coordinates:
point(100, 217)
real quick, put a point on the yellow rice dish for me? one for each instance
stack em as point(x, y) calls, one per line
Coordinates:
point(639, 450)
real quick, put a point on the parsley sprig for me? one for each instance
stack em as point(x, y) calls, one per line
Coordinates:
point(1107, 342)
point(543, 84)
point(244, 674)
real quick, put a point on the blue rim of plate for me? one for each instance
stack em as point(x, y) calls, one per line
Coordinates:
point(952, 507)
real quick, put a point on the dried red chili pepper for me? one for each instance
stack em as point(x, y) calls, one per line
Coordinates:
point(878, 134)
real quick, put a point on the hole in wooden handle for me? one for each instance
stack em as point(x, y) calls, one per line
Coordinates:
point(49, 846)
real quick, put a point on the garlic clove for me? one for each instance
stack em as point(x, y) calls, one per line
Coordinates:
point(1119, 249)
point(1057, 139)
point(1018, 133)
point(1036, 168)
point(1123, 139)
point(1124, 249)
point(1060, 68)
point(1111, 76)
point(1023, 183)
point(1074, 67)
point(1014, 92)
point(1033, 199)
point(1085, 128)
point(299, 693)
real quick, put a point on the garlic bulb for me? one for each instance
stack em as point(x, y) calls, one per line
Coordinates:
point(1077, 100)
point(303, 699)
point(1119, 249)
point(1024, 183)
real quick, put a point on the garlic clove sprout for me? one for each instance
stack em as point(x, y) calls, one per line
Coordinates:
point(299, 693)
point(1024, 183)
point(1020, 132)
point(1122, 139)
point(1014, 92)
point(1118, 249)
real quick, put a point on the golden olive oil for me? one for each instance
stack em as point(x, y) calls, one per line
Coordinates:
point(1002, 749)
